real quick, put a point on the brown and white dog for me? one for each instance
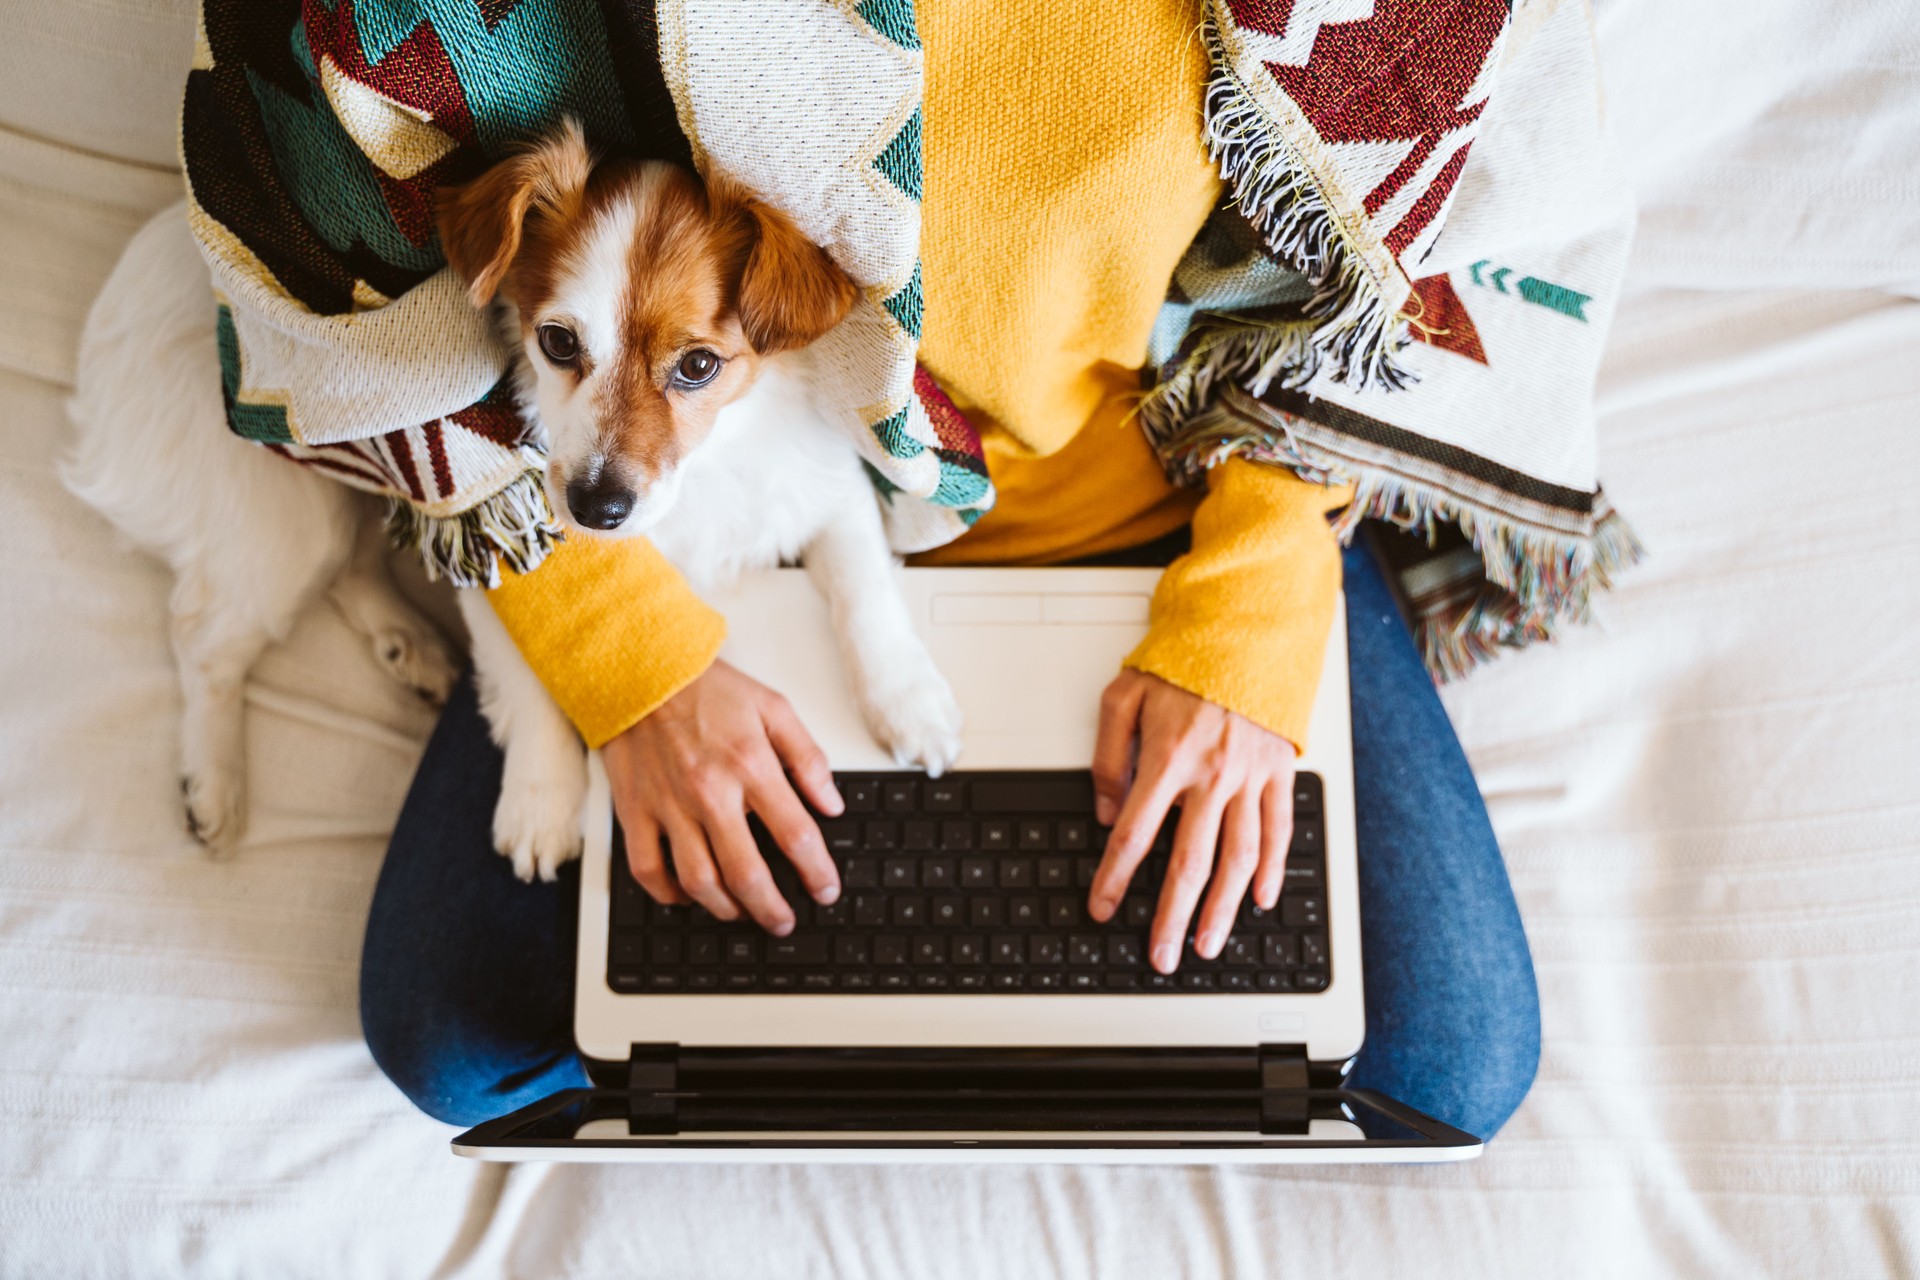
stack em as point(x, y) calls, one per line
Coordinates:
point(661, 326)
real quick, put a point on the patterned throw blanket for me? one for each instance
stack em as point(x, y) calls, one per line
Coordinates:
point(1367, 306)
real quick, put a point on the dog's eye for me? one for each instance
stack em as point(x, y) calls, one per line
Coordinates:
point(558, 343)
point(697, 368)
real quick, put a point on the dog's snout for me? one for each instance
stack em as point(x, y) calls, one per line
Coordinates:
point(604, 504)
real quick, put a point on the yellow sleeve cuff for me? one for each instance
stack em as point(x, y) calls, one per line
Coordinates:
point(611, 629)
point(1242, 619)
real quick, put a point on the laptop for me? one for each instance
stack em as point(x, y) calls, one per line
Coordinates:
point(957, 1003)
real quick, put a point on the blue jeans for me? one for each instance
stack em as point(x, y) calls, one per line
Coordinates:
point(466, 982)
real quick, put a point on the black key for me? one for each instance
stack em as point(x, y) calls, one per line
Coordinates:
point(1008, 981)
point(894, 980)
point(1307, 910)
point(664, 948)
point(937, 873)
point(946, 796)
point(862, 794)
point(1307, 841)
point(889, 948)
point(996, 835)
point(869, 909)
point(969, 948)
point(1082, 980)
point(909, 910)
point(1311, 979)
point(850, 949)
point(629, 950)
point(1045, 981)
point(856, 982)
point(1063, 911)
point(1124, 949)
point(988, 913)
point(1016, 873)
point(1123, 981)
point(1056, 873)
point(949, 910)
point(842, 835)
point(1306, 793)
point(626, 982)
point(1235, 981)
point(932, 981)
point(1194, 980)
point(703, 948)
point(930, 948)
point(1023, 912)
point(970, 981)
point(899, 795)
point(860, 873)
point(816, 982)
point(1313, 950)
point(629, 899)
point(1303, 875)
point(897, 873)
point(664, 981)
point(1240, 950)
point(833, 915)
point(1085, 948)
point(1046, 948)
point(916, 834)
point(1007, 948)
point(1137, 911)
point(1034, 795)
point(1255, 916)
point(1084, 871)
point(1275, 980)
point(881, 834)
point(956, 834)
point(665, 915)
point(1033, 834)
point(742, 981)
point(703, 980)
point(1280, 950)
point(742, 948)
point(976, 873)
point(1070, 836)
point(804, 948)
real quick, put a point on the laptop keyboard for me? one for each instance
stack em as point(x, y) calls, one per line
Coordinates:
point(974, 883)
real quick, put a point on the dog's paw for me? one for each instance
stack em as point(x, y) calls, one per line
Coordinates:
point(417, 658)
point(536, 826)
point(215, 802)
point(914, 716)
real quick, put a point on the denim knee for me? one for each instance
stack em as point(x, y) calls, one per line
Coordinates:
point(459, 1074)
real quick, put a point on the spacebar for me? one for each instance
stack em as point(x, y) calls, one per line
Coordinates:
point(1036, 795)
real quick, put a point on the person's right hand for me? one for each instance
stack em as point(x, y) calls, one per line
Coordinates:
point(692, 769)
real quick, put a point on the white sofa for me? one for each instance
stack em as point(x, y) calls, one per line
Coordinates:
point(1710, 801)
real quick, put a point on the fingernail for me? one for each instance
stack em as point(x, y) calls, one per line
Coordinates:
point(1210, 942)
point(783, 928)
point(1165, 957)
point(1101, 908)
point(1103, 811)
point(828, 895)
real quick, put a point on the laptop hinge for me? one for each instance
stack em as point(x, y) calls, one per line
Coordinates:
point(1285, 1078)
point(653, 1079)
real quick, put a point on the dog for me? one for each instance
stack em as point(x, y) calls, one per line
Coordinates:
point(660, 325)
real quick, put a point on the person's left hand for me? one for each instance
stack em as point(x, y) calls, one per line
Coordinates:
point(1233, 781)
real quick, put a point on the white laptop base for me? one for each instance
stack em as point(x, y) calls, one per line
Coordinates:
point(1027, 652)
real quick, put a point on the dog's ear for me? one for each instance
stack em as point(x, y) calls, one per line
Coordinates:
point(482, 221)
point(790, 291)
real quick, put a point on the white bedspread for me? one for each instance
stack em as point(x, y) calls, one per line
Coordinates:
point(1709, 803)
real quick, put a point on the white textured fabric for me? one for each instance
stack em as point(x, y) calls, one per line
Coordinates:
point(1709, 804)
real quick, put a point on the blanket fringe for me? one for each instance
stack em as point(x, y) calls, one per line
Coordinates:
point(516, 525)
point(1346, 330)
point(1536, 579)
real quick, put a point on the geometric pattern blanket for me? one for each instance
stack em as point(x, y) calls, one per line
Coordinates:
point(1367, 306)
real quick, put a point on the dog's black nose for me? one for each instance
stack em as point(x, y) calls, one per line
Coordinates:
point(599, 506)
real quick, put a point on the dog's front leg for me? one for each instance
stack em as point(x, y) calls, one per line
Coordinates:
point(536, 822)
point(903, 697)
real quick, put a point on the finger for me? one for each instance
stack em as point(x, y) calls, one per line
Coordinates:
point(802, 756)
point(1187, 875)
point(1148, 799)
point(647, 860)
point(771, 795)
point(1233, 869)
point(1276, 833)
point(1113, 746)
point(694, 867)
point(745, 871)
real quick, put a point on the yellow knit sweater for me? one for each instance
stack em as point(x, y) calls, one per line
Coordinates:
point(1064, 177)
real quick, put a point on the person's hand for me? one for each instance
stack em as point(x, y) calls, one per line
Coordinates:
point(692, 769)
point(1233, 781)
